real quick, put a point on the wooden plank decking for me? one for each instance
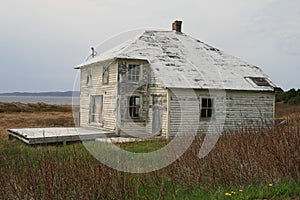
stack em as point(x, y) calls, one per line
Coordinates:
point(58, 135)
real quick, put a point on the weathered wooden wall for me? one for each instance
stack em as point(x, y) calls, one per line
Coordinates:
point(232, 110)
point(98, 88)
point(148, 86)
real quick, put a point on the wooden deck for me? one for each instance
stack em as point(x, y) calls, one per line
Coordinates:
point(58, 135)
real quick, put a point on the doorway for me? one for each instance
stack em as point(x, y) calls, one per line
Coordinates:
point(157, 114)
point(96, 109)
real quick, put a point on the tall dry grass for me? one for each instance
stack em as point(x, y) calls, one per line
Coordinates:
point(19, 115)
point(284, 111)
point(266, 155)
point(71, 173)
point(33, 107)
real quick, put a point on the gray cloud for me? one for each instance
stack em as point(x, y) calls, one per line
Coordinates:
point(41, 41)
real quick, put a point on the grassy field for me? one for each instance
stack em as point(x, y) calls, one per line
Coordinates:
point(253, 164)
point(287, 111)
point(18, 115)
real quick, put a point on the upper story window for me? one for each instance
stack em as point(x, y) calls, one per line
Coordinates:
point(133, 72)
point(89, 77)
point(105, 75)
point(206, 107)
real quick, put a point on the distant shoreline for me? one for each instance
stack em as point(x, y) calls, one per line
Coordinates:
point(12, 98)
point(43, 94)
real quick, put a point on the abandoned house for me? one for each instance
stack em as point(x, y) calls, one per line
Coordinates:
point(159, 78)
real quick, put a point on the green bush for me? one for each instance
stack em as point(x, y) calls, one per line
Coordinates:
point(291, 97)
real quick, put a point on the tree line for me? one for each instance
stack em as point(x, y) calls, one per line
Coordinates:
point(291, 97)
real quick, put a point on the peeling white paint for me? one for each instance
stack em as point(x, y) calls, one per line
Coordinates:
point(181, 61)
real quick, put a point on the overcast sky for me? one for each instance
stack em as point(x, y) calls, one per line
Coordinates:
point(42, 40)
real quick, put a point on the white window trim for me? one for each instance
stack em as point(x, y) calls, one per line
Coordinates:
point(212, 108)
point(140, 72)
point(253, 84)
point(140, 109)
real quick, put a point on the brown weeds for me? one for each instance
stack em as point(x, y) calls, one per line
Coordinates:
point(239, 158)
point(243, 157)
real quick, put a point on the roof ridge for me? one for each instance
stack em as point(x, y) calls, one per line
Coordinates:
point(182, 61)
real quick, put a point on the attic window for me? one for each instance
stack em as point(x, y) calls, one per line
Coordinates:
point(260, 81)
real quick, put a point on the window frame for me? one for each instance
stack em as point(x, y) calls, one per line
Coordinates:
point(207, 109)
point(105, 70)
point(133, 109)
point(133, 70)
point(260, 81)
point(89, 77)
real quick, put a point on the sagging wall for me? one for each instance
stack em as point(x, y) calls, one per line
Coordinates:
point(149, 88)
point(232, 110)
point(115, 94)
point(96, 87)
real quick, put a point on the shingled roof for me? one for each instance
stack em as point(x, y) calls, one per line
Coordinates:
point(181, 61)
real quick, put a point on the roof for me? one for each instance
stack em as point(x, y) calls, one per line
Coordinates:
point(181, 61)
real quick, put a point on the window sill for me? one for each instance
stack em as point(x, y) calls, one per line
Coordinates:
point(133, 120)
point(95, 124)
point(206, 118)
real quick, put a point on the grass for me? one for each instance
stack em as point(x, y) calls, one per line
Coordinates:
point(18, 115)
point(248, 161)
point(143, 147)
point(33, 107)
point(287, 111)
point(70, 172)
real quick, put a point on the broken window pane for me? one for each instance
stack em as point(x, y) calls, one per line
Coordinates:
point(89, 77)
point(105, 75)
point(134, 106)
point(206, 108)
point(133, 72)
point(260, 81)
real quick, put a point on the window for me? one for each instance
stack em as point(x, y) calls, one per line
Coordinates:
point(206, 107)
point(96, 107)
point(133, 72)
point(134, 106)
point(105, 75)
point(89, 77)
point(260, 81)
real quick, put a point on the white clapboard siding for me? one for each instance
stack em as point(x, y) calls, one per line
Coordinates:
point(98, 88)
point(180, 107)
point(232, 110)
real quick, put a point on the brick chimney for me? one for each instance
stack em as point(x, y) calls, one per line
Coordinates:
point(176, 26)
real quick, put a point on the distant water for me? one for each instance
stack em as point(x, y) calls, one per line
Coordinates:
point(40, 99)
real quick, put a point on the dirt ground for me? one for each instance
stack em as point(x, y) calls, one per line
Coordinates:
point(22, 117)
